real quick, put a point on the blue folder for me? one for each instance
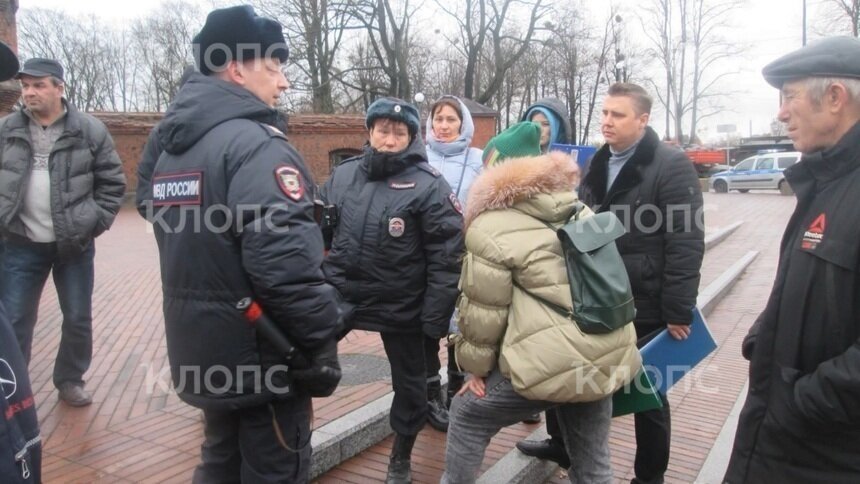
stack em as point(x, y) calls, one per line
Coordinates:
point(668, 360)
point(582, 154)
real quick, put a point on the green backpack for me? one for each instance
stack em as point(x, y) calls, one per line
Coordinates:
point(599, 285)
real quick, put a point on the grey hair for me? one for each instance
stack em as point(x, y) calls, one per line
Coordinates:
point(817, 86)
point(56, 81)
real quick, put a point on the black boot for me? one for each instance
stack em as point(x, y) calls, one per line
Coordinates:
point(399, 468)
point(455, 383)
point(548, 449)
point(437, 412)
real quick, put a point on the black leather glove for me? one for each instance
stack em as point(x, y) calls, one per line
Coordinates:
point(344, 322)
point(321, 377)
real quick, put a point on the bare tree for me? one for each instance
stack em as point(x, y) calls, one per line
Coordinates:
point(693, 86)
point(845, 13)
point(77, 43)
point(315, 31)
point(493, 25)
point(389, 35)
point(164, 43)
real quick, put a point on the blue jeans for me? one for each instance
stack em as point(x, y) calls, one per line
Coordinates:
point(474, 421)
point(26, 266)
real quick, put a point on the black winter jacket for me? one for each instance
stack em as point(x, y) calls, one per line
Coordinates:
point(397, 247)
point(657, 197)
point(87, 181)
point(20, 442)
point(801, 419)
point(232, 209)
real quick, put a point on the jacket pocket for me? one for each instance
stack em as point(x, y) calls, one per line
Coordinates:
point(782, 413)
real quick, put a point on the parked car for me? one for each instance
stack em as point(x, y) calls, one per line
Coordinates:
point(760, 172)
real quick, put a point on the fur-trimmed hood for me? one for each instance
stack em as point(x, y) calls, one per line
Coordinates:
point(519, 179)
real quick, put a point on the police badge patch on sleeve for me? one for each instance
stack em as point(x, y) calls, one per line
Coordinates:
point(456, 203)
point(290, 181)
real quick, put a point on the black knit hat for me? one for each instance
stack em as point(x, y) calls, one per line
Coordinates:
point(395, 109)
point(237, 33)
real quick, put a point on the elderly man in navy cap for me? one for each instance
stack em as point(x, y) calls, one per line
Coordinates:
point(801, 419)
point(222, 157)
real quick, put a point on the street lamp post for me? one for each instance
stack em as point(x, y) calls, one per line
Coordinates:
point(620, 67)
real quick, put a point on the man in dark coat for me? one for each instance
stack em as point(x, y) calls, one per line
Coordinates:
point(653, 189)
point(395, 254)
point(231, 204)
point(801, 419)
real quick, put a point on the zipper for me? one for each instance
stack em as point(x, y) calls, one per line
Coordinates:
point(20, 456)
point(26, 179)
point(364, 221)
point(25, 471)
point(382, 227)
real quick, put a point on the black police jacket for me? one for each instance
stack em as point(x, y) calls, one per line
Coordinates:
point(20, 442)
point(397, 246)
point(657, 197)
point(231, 204)
point(801, 419)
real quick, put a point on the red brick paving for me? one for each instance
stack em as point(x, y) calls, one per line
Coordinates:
point(137, 432)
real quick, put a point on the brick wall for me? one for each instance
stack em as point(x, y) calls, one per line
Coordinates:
point(316, 137)
point(485, 128)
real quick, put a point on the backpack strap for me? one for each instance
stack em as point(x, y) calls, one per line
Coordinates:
point(560, 310)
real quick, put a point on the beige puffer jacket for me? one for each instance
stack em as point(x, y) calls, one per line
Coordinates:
point(545, 355)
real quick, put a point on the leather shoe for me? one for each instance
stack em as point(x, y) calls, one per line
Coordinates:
point(437, 414)
point(74, 394)
point(548, 449)
point(532, 419)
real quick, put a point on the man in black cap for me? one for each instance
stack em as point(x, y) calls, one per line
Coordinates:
point(62, 183)
point(395, 255)
point(801, 419)
point(21, 444)
point(231, 204)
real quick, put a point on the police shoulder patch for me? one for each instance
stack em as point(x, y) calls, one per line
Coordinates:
point(178, 188)
point(424, 166)
point(273, 131)
point(455, 202)
point(290, 182)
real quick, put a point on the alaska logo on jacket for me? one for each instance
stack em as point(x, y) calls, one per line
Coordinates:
point(814, 234)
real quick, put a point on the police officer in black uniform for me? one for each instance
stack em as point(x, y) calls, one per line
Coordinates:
point(395, 255)
point(231, 204)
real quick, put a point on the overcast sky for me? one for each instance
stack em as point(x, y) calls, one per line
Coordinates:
point(770, 27)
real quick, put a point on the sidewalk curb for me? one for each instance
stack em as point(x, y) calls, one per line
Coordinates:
point(717, 461)
point(517, 467)
point(713, 240)
point(349, 435)
point(523, 469)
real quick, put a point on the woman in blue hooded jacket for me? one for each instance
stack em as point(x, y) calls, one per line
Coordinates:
point(449, 134)
point(550, 114)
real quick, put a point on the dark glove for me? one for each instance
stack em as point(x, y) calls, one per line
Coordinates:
point(748, 346)
point(344, 321)
point(321, 377)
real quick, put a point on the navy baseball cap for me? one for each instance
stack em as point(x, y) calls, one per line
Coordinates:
point(39, 67)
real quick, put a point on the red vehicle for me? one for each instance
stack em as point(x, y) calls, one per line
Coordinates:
point(704, 160)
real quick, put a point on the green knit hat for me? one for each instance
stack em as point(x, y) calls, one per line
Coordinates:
point(521, 139)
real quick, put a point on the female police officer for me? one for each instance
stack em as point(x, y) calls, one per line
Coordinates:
point(395, 255)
